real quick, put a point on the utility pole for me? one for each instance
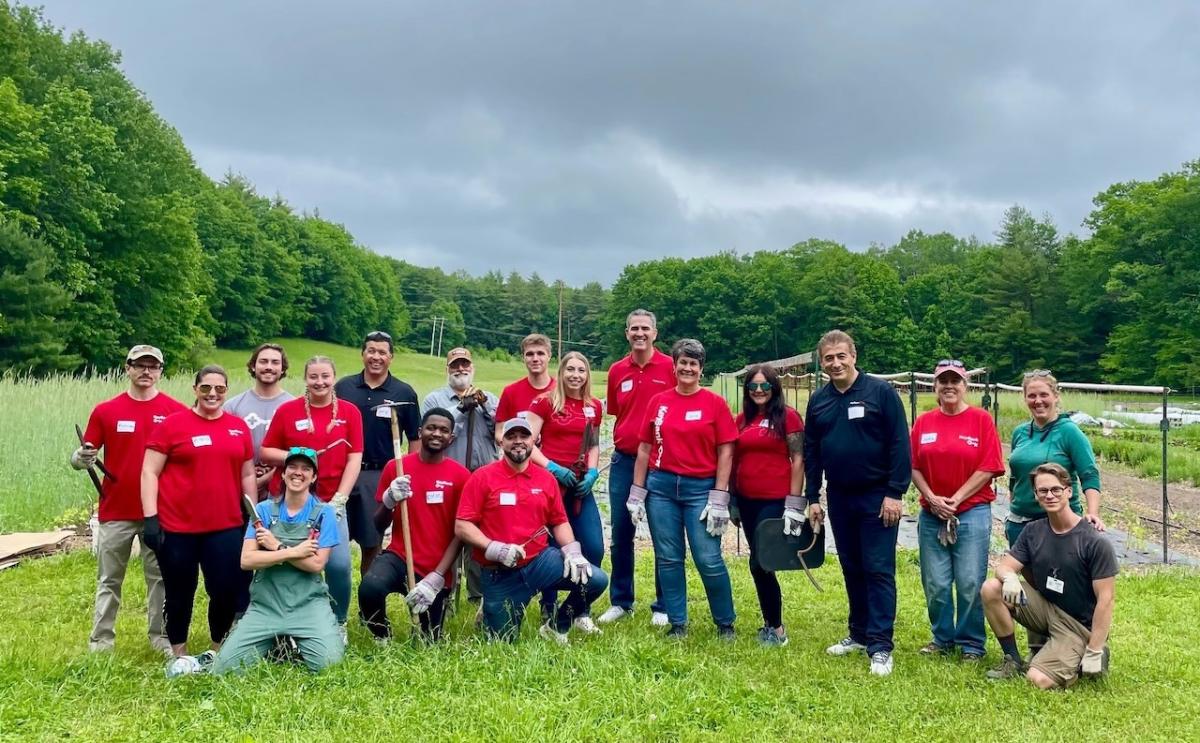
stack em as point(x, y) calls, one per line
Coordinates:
point(441, 331)
point(560, 317)
point(432, 334)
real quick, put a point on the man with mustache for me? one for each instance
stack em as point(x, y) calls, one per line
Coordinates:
point(268, 366)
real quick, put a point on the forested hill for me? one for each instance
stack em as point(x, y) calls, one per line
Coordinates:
point(110, 235)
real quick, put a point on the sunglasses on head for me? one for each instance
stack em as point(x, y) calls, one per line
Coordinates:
point(952, 362)
point(1038, 373)
point(758, 386)
point(379, 335)
point(204, 389)
point(303, 451)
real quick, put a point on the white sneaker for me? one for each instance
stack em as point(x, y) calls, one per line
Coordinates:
point(549, 633)
point(881, 663)
point(342, 633)
point(587, 626)
point(182, 666)
point(659, 619)
point(845, 646)
point(614, 614)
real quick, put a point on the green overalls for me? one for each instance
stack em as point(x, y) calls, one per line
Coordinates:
point(285, 601)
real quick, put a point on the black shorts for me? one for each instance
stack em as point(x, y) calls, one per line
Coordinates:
point(360, 510)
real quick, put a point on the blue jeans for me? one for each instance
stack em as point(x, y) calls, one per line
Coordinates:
point(337, 571)
point(953, 575)
point(673, 510)
point(867, 551)
point(588, 530)
point(620, 477)
point(506, 592)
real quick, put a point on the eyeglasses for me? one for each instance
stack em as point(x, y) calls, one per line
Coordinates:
point(1057, 490)
point(302, 451)
point(758, 386)
point(1038, 373)
point(204, 389)
point(952, 362)
point(146, 367)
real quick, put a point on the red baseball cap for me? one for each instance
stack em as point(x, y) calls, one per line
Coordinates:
point(950, 365)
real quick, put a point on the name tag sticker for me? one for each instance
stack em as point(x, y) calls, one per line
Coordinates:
point(627, 385)
point(589, 412)
point(434, 496)
point(381, 413)
point(928, 438)
point(523, 414)
point(202, 440)
point(764, 423)
point(302, 425)
point(126, 426)
point(693, 415)
point(508, 499)
point(855, 411)
point(1054, 584)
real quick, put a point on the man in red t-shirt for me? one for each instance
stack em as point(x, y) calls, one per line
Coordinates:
point(632, 381)
point(506, 512)
point(516, 398)
point(432, 484)
point(122, 426)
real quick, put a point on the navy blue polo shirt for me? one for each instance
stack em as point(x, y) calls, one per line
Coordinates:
point(857, 439)
point(377, 424)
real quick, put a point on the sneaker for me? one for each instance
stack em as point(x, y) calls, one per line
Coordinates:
point(206, 659)
point(342, 633)
point(184, 665)
point(162, 645)
point(972, 657)
point(676, 632)
point(1009, 668)
point(771, 637)
point(881, 663)
point(659, 619)
point(726, 632)
point(614, 614)
point(845, 646)
point(587, 626)
point(548, 632)
point(107, 647)
point(934, 649)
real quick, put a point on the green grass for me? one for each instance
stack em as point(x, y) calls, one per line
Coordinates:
point(628, 684)
point(39, 489)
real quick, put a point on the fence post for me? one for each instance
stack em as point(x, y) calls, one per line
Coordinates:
point(1166, 426)
point(912, 398)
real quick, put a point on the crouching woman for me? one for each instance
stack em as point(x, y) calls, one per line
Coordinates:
point(287, 546)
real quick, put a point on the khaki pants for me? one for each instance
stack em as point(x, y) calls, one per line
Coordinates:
point(114, 542)
point(1060, 657)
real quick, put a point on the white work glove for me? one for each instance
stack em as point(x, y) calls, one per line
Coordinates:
point(716, 513)
point(399, 490)
point(422, 596)
point(793, 514)
point(339, 501)
point(507, 555)
point(1093, 661)
point(575, 565)
point(84, 457)
point(636, 504)
point(1011, 590)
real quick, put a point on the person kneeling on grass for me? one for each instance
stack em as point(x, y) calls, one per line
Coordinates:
point(506, 510)
point(1073, 571)
point(287, 546)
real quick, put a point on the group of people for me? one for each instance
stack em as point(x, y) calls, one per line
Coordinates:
point(262, 494)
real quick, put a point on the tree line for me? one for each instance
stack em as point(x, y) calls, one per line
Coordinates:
point(110, 234)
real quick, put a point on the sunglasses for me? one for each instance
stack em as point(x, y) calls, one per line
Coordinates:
point(1038, 373)
point(758, 386)
point(204, 389)
point(378, 335)
point(952, 362)
point(303, 451)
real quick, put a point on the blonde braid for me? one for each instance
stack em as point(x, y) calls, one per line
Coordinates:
point(308, 410)
point(333, 417)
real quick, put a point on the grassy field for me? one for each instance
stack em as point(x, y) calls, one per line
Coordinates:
point(629, 684)
point(40, 490)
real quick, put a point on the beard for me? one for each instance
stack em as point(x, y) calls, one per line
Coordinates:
point(461, 382)
point(517, 456)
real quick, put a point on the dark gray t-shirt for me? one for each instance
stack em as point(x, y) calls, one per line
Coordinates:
point(1064, 565)
point(257, 412)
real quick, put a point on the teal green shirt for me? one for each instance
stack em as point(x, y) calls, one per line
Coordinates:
point(1061, 442)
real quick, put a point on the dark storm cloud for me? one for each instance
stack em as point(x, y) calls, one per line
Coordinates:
point(571, 138)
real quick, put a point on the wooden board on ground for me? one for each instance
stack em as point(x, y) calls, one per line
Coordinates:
point(30, 544)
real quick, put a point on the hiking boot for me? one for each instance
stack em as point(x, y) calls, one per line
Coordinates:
point(881, 663)
point(1009, 668)
point(933, 648)
point(845, 646)
point(614, 614)
point(972, 657)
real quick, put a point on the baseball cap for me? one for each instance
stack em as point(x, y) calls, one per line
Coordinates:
point(516, 424)
point(142, 350)
point(950, 365)
point(456, 354)
point(301, 452)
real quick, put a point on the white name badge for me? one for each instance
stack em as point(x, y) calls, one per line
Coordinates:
point(383, 412)
point(627, 385)
point(434, 496)
point(589, 412)
point(126, 426)
point(1054, 584)
point(508, 499)
point(523, 414)
point(928, 438)
point(693, 415)
point(855, 411)
point(201, 441)
point(764, 423)
point(302, 425)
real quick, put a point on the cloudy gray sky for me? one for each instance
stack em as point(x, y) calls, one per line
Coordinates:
point(572, 138)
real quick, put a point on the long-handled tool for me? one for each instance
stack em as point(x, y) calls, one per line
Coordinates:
point(469, 409)
point(405, 531)
point(91, 470)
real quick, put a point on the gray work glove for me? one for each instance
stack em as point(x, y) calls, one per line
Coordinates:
point(948, 532)
point(575, 565)
point(1093, 661)
point(399, 490)
point(1011, 590)
point(716, 513)
point(84, 457)
point(793, 514)
point(506, 554)
point(422, 596)
point(636, 504)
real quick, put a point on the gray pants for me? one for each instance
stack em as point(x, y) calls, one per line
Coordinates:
point(114, 542)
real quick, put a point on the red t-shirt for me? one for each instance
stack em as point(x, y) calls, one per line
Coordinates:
point(121, 427)
point(509, 506)
point(562, 433)
point(200, 488)
point(290, 428)
point(948, 449)
point(516, 398)
point(683, 432)
point(630, 388)
point(762, 464)
point(431, 510)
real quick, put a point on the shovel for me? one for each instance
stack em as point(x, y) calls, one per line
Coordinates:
point(778, 551)
point(406, 533)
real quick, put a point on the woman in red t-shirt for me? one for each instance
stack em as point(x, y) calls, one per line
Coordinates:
point(319, 421)
point(563, 417)
point(955, 456)
point(769, 479)
point(681, 485)
point(198, 464)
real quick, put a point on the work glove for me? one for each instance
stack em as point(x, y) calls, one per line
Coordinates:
point(152, 533)
point(566, 478)
point(84, 457)
point(636, 504)
point(575, 565)
point(716, 513)
point(506, 554)
point(1093, 662)
point(589, 481)
point(948, 531)
point(339, 501)
point(793, 514)
point(421, 597)
point(399, 490)
point(1012, 592)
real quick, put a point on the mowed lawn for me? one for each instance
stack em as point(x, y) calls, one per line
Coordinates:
point(629, 684)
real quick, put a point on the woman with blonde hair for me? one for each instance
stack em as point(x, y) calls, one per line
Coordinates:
point(568, 420)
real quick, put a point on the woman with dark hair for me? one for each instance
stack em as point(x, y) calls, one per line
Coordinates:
point(199, 464)
point(768, 480)
point(681, 486)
